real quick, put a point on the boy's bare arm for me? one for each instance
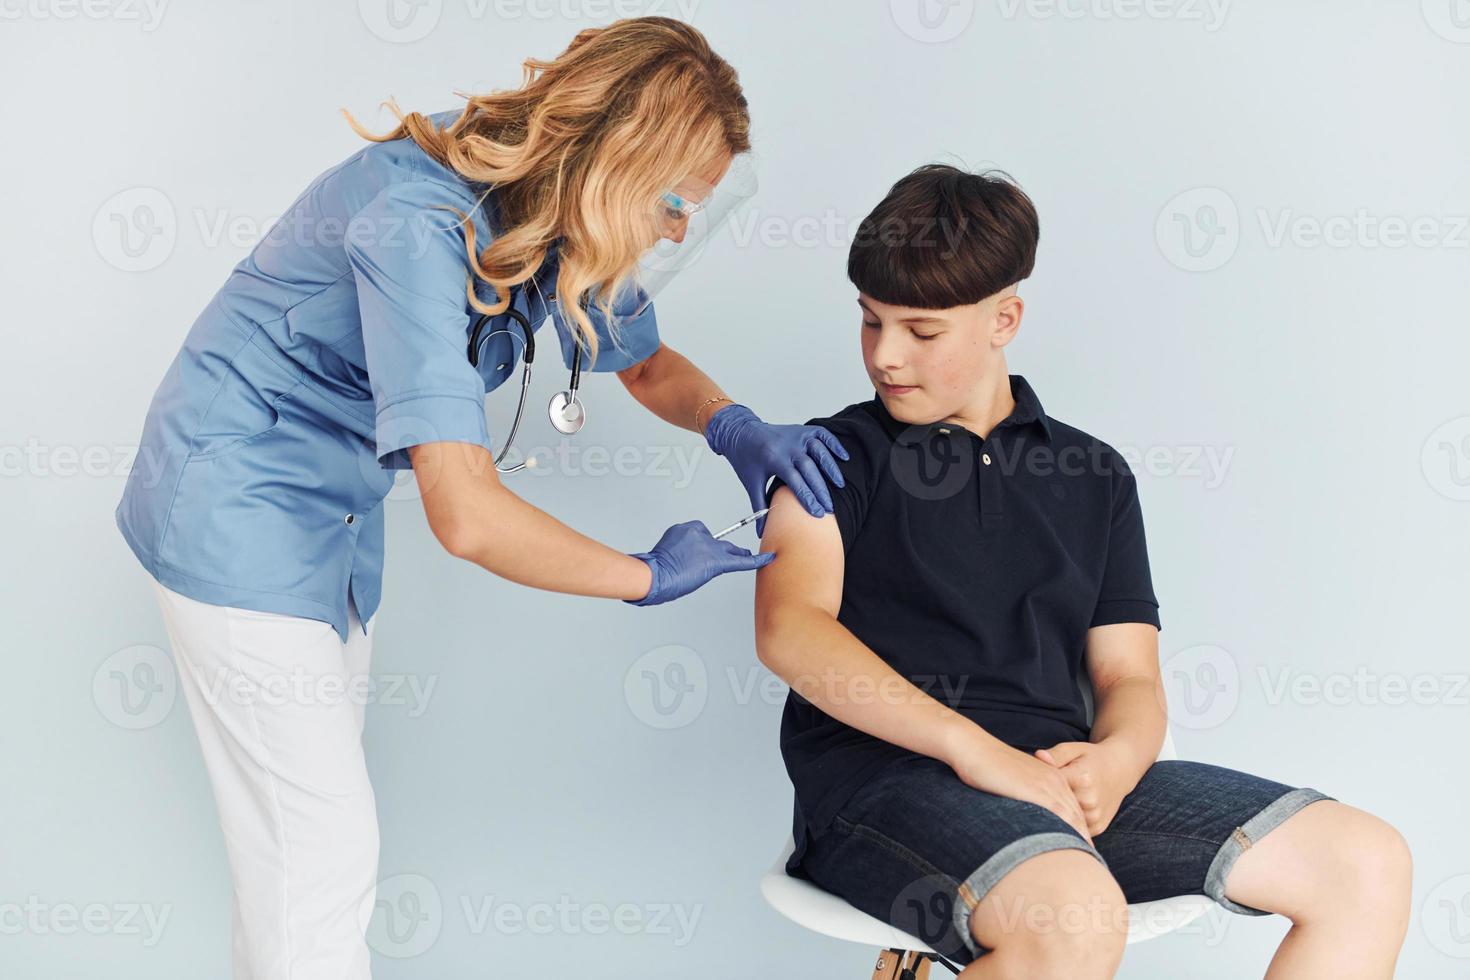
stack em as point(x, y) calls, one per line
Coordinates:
point(1128, 693)
point(799, 638)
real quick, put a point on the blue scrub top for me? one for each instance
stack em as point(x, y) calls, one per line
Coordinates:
point(336, 344)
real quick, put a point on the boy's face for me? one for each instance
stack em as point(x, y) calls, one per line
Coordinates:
point(926, 364)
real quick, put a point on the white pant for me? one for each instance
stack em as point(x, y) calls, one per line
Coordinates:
point(279, 718)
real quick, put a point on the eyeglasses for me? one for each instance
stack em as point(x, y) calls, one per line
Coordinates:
point(678, 208)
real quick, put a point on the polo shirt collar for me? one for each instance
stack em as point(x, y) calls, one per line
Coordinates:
point(1028, 410)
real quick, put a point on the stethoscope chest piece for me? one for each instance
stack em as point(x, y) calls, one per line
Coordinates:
point(567, 413)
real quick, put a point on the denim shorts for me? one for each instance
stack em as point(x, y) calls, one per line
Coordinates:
point(919, 849)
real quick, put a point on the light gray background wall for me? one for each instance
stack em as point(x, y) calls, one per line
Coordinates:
point(1253, 276)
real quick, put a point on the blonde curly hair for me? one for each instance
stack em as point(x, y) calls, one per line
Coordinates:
point(582, 151)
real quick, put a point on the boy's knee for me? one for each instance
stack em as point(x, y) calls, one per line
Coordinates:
point(1381, 866)
point(1368, 863)
point(1059, 910)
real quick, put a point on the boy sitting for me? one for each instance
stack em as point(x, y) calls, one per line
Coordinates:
point(984, 559)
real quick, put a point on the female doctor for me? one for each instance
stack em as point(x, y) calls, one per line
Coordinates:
point(345, 347)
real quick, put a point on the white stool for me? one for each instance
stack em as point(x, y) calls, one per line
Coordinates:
point(905, 957)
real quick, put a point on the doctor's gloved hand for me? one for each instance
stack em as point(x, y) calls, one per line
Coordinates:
point(798, 454)
point(687, 556)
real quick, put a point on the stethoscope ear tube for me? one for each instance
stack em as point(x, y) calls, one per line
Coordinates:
point(515, 424)
point(518, 317)
point(565, 409)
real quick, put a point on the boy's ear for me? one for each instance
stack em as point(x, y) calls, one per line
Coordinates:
point(1008, 310)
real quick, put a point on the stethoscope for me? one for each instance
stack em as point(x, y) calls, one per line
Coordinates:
point(566, 409)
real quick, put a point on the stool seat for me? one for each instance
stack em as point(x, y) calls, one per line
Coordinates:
point(820, 911)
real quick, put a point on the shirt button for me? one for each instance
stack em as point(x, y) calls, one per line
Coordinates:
point(985, 458)
point(349, 519)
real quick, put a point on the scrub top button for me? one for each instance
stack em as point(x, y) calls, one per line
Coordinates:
point(349, 519)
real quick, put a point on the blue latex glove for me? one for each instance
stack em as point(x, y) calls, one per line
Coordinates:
point(687, 556)
point(758, 450)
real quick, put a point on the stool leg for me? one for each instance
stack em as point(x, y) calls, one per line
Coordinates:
point(890, 962)
point(916, 967)
point(900, 964)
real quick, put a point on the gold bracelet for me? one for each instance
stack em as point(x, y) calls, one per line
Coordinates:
point(717, 398)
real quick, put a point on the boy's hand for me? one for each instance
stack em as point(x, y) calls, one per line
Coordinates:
point(1097, 775)
point(989, 765)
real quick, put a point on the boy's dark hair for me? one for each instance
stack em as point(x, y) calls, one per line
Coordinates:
point(944, 237)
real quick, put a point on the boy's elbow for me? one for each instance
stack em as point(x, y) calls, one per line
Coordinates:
point(765, 641)
point(778, 631)
point(767, 633)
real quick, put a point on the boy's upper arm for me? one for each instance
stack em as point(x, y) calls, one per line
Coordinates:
point(809, 561)
point(1120, 650)
point(811, 551)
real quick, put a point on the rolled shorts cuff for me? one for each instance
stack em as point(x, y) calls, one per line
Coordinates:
point(1247, 834)
point(974, 888)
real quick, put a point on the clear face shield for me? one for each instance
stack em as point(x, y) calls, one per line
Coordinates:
point(686, 218)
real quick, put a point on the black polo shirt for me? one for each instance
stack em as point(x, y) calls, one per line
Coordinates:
point(975, 568)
